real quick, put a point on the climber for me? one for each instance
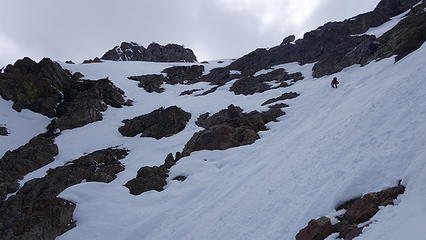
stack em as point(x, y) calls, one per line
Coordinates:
point(334, 83)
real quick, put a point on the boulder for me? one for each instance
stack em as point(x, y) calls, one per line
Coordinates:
point(157, 124)
point(154, 53)
point(151, 83)
point(152, 178)
point(34, 86)
point(229, 128)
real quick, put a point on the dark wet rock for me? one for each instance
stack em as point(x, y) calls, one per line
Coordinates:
point(14, 165)
point(229, 128)
point(152, 178)
point(34, 86)
point(358, 211)
point(154, 53)
point(151, 83)
point(157, 124)
point(183, 74)
point(288, 40)
point(35, 212)
point(190, 92)
point(318, 229)
point(69, 62)
point(284, 96)
point(85, 102)
point(258, 84)
point(3, 131)
point(95, 60)
point(180, 178)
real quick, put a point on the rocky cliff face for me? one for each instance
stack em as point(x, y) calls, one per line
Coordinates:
point(154, 53)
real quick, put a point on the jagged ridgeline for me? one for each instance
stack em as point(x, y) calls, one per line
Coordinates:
point(258, 147)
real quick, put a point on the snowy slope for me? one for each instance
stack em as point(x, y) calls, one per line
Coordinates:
point(333, 144)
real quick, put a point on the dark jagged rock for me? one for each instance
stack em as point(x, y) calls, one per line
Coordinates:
point(279, 105)
point(152, 178)
point(151, 83)
point(154, 53)
point(69, 62)
point(337, 45)
point(157, 124)
point(190, 92)
point(288, 40)
point(86, 100)
point(284, 96)
point(318, 229)
point(211, 90)
point(258, 84)
point(183, 74)
point(358, 211)
point(34, 86)
point(95, 60)
point(3, 131)
point(14, 165)
point(229, 128)
point(35, 212)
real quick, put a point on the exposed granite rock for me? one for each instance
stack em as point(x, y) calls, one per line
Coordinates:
point(229, 128)
point(183, 74)
point(3, 131)
point(154, 53)
point(151, 83)
point(35, 212)
point(34, 86)
point(86, 100)
point(152, 178)
point(190, 92)
point(258, 84)
point(14, 165)
point(358, 211)
point(284, 96)
point(157, 124)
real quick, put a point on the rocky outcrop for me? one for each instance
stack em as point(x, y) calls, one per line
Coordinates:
point(85, 102)
point(183, 74)
point(3, 131)
point(36, 213)
point(190, 92)
point(261, 83)
point(284, 96)
point(34, 86)
point(229, 128)
point(152, 178)
point(151, 83)
point(288, 40)
point(337, 45)
point(356, 216)
point(14, 165)
point(95, 60)
point(154, 53)
point(156, 124)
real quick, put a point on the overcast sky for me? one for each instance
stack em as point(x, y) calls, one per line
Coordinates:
point(214, 29)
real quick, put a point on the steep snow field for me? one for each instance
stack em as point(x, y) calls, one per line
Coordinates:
point(333, 144)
